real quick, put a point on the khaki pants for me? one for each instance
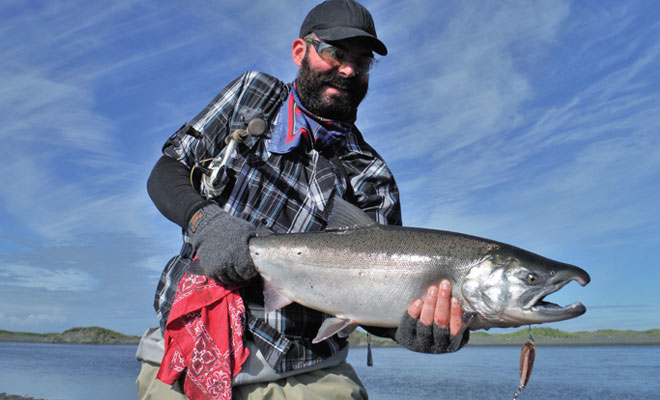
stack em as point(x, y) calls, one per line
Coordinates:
point(338, 382)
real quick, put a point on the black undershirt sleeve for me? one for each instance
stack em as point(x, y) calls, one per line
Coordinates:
point(170, 190)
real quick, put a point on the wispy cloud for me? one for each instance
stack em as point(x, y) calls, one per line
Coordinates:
point(42, 114)
point(496, 148)
point(528, 121)
point(41, 278)
point(31, 321)
point(460, 82)
point(93, 279)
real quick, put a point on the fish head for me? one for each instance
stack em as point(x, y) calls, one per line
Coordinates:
point(507, 287)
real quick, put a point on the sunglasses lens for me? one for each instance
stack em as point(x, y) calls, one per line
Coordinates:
point(336, 56)
point(329, 54)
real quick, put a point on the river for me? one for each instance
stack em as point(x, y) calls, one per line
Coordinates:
point(100, 372)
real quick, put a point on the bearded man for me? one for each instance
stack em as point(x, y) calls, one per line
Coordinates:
point(304, 150)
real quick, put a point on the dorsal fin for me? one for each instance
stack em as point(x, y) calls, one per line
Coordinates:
point(344, 214)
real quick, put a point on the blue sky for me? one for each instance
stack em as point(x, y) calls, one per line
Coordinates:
point(534, 123)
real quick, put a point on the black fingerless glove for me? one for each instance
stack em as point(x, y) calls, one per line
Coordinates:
point(415, 336)
point(221, 244)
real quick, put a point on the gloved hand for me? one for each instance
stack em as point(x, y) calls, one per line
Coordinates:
point(436, 324)
point(221, 243)
point(414, 335)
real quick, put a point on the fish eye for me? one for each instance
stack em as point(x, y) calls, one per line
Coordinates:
point(531, 278)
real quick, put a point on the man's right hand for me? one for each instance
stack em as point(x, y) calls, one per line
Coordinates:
point(221, 243)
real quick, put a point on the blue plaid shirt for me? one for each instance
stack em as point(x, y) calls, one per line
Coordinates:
point(282, 192)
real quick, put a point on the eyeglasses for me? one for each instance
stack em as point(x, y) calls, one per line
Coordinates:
point(336, 56)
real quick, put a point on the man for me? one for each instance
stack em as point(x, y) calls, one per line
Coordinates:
point(283, 180)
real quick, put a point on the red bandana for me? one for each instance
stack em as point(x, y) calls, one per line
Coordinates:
point(204, 338)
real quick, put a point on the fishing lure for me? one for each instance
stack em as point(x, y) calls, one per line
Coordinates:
point(527, 354)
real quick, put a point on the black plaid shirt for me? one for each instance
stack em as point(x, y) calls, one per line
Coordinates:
point(282, 192)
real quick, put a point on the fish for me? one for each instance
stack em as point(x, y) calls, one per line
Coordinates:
point(364, 273)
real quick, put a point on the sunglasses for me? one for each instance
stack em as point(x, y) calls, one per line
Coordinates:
point(337, 56)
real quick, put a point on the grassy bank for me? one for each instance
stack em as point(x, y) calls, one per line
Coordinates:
point(542, 336)
point(80, 335)
point(549, 336)
point(5, 396)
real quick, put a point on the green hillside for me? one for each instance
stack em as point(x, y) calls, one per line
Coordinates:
point(541, 335)
point(79, 335)
point(551, 336)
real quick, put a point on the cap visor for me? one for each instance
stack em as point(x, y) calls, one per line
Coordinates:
point(345, 32)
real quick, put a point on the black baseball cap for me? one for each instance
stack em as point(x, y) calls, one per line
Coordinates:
point(341, 19)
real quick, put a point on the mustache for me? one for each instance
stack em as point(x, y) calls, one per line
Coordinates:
point(336, 80)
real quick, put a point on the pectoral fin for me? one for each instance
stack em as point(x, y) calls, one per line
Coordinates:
point(332, 326)
point(274, 300)
point(344, 333)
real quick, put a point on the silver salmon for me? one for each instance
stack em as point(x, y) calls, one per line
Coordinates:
point(364, 273)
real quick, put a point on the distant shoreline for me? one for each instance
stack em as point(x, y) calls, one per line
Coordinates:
point(80, 335)
point(542, 337)
point(5, 396)
point(605, 341)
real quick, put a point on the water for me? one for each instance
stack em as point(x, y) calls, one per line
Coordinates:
point(82, 372)
point(69, 371)
point(560, 372)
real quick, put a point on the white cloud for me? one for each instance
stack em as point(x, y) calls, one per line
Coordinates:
point(495, 133)
point(59, 207)
point(66, 167)
point(461, 81)
point(69, 279)
point(33, 321)
point(523, 120)
point(43, 114)
point(36, 319)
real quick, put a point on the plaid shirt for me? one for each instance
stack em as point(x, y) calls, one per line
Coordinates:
point(282, 192)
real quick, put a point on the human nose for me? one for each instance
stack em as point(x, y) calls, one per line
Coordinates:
point(347, 69)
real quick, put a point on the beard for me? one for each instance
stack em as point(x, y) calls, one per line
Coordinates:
point(337, 106)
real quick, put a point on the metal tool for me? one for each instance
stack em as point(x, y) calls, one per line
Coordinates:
point(256, 127)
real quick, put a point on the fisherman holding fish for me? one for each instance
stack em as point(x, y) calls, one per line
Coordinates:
point(270, 155)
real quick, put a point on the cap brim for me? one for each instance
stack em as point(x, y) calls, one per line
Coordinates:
point(345, 32)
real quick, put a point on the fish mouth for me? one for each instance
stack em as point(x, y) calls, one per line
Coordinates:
point(538, 303)
point(539, 308)
point(548, 309)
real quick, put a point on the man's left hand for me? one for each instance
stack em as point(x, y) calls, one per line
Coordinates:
point(432, 324)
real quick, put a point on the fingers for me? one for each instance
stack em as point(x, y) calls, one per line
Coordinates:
point(428, 309)
point(441, 316)
point(415, 309)
point(439, 307)
point(456, 317)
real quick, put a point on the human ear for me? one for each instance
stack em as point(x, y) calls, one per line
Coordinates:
point(298, 50)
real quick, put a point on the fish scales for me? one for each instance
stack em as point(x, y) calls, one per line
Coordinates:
point(381, 269)
point(365, 273)
point(370, 274)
